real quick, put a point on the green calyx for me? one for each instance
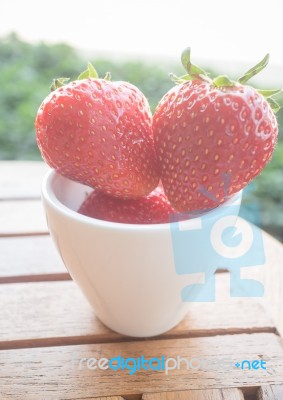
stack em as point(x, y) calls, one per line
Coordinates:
point(90, 72)
point(223, 81)
point(58, 82)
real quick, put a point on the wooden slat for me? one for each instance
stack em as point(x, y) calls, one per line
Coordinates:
point(273, 281)
point(226, 315)
point(22, 217)
point(59, 374)
point(29, 258)
point(48, 313)
point(211, 394)
point(271, 275)
point(273, 392)
point(21, 179)
point(56, 313)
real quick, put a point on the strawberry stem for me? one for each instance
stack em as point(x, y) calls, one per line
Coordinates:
point(193, 70)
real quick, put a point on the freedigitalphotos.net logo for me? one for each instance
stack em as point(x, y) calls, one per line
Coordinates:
point(165, 364)
point(211, 241)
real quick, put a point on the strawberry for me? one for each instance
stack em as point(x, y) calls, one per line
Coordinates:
point(99, 133)
point(212, 137)
point(151, 209)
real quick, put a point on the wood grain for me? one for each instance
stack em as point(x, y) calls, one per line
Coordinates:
point(62, 372)
point(271, 275)
point(22, 217)
point(273, 282)
point(21, 179)
point(28, 308)
point(227, 314)
point(273, 392)
point(29, 258)
point(107, 398)
point(212, 394)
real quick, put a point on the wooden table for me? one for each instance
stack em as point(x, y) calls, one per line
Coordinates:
point(46, 325)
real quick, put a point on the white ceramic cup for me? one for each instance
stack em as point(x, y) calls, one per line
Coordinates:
point(126, 271)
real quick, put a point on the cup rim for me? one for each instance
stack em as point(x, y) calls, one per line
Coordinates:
point(49, 196)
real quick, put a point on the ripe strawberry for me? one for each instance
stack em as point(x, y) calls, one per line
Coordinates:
point(210, 134)
point(99, 133)
point(151, 209)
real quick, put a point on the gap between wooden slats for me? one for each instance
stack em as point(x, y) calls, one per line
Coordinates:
point(272, 392)
point(211, 394)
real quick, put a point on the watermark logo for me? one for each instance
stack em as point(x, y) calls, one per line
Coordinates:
point(215, 240)
point(166, 364)
point(251, 364)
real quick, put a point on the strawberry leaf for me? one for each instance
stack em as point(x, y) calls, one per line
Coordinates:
point(83, 75)
point(58, 82)
point(180, 79)
point(223, 81)
point(90, 72)
point(254, 70)
point(273, 104)
point(107, 76)
point(269, 93)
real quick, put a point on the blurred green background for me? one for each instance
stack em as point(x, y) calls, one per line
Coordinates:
point(27, 70)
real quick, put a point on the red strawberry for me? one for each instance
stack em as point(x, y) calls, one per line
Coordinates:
point(99, 133)
point(151, 209)
point(212, 137)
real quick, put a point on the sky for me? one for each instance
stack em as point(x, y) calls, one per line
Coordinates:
point(224, 32)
